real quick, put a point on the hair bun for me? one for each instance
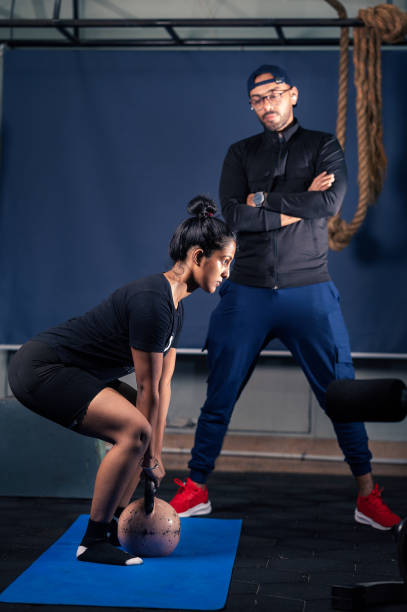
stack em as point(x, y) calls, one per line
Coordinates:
point(201, 207)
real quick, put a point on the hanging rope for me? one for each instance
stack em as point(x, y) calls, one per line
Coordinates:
point(383, 22)
point(343, 74)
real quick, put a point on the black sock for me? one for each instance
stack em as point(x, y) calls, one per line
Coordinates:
point(118, 512)
point(97, 545)
point(112, 537)
point(112, 533)
point(95, 532)
point(104, 552)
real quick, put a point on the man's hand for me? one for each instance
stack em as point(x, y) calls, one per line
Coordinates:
point(322, 182)
point(249, 200)
point(287, 220)
point(284, 219)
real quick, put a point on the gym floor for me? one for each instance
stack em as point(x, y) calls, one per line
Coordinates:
point(298, 538)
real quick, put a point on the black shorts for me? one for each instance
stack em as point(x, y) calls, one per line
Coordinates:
point(56, 391)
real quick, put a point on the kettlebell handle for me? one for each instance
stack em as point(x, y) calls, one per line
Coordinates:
point(149, 493)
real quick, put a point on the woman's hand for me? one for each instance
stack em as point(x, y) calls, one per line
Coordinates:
point(153, 469)
point(160, 470)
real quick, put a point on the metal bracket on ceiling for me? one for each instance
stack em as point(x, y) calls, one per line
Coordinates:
point(70, 29)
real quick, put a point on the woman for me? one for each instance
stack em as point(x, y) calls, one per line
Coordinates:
point(69, 373)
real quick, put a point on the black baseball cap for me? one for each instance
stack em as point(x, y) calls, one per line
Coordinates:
point(279, 76)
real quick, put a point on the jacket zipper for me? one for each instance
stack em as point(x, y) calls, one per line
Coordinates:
point(280, 138)
point(275, 258)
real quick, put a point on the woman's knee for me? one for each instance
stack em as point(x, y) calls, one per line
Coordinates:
point(136, 435)
point(145, 433)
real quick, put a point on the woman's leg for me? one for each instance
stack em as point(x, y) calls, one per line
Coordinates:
point(130, 393)
point(113, 418)
point(57, 392)
point(129, 491)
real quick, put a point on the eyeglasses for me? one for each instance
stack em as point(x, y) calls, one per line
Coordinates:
point(258, 102)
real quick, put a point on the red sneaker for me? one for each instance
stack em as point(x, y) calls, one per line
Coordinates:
point(190, 499)
point(371, 510)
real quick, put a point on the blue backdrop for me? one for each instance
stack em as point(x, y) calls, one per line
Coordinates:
point(102, 150)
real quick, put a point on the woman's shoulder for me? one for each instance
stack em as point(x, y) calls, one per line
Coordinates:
point(150, 294)
point(154, 284)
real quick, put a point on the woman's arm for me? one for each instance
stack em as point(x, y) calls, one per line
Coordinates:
point(164, 402)
point(165, 395)
point(148, 370)
point(153, 374)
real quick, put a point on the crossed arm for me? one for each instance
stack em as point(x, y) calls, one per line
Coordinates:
point(323, 198)
point(322, 182)
point(153, 374)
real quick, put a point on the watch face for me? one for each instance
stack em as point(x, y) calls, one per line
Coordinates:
point(258, 198)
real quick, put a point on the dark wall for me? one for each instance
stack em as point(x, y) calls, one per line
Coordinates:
point(101, 151)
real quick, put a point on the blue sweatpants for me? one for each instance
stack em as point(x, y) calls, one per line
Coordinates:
point(308, 320)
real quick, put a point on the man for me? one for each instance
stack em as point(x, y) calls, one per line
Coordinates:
point(278, 189)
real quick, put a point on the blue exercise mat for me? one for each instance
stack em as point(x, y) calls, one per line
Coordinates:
point(195, 576)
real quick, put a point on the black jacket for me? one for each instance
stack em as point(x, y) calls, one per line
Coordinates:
point(283, 164)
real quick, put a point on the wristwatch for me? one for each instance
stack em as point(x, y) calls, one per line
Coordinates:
point(258, 198)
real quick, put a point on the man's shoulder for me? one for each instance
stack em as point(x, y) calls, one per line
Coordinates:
point(258, 139)
point(251, 145)
point(315, 135)
point(247, 144)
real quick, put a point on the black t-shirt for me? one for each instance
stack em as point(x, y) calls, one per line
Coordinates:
point(141, 315)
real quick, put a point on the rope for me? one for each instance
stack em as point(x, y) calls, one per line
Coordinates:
point(343, 74)
point(384, 22)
